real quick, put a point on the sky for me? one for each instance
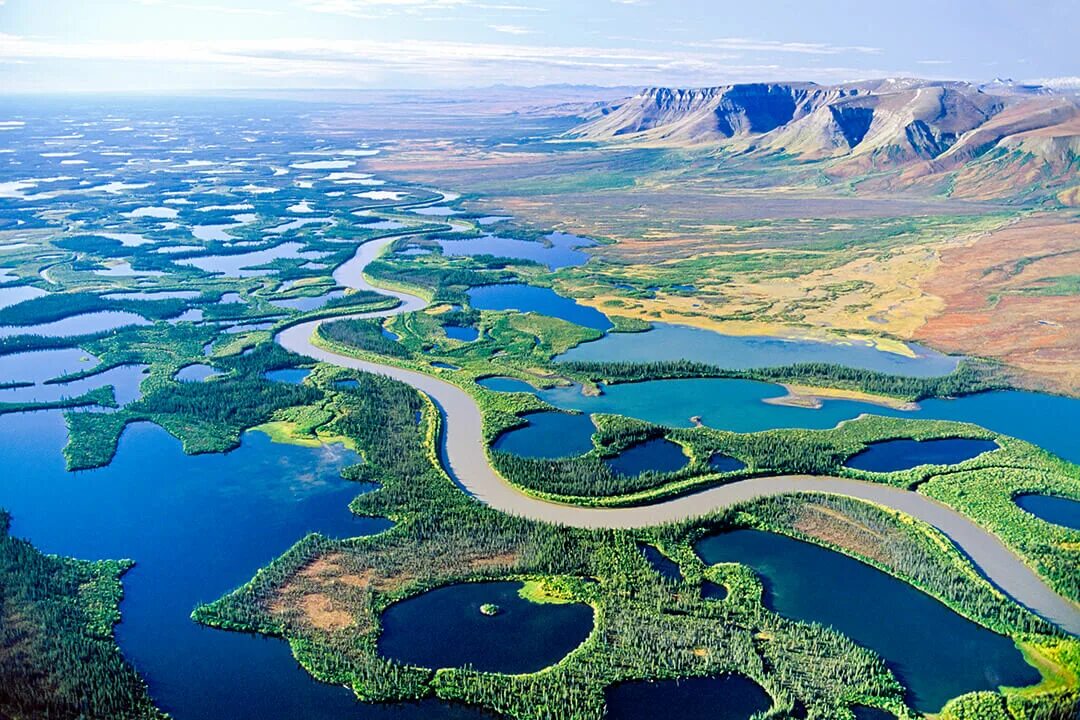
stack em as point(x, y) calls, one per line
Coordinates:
point(55, 46)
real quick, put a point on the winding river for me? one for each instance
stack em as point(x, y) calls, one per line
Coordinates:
point(465, 459)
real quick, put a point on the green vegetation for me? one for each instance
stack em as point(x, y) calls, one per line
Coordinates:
point(970, 376)
point(58, 658)
point(646, 627)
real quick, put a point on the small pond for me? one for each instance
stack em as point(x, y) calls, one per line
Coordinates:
point(896, 455)
point(658, 455)
point(1052, 508)
point(458, 332)
point(445, 628)
point(713, 591)
point(544, 301)
point(505, 384)
point(664, 566)
point(195, 373)
point(725, 463)
point(293, 376)
point(936, 653)
point(728, 697)
point(548, 435)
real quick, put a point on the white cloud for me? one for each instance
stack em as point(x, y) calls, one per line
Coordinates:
point(512, 29)
point(1068, 82)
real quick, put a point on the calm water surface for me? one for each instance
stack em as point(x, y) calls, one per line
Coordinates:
point(544, 301)
point(681, 342)
point(549, 435)
point(1052, 509)
point(445, 628)
point(936, 653)
point(729, 697)
point(894, 455)
point(656, 455)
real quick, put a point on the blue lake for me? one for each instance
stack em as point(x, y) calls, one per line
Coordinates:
point(656, 455)
point(125, 380)
point(273, 494)
point(1053, 509)
point(304, 304)
point(664, 567)
point(556, 251)
point(293, 376)
point(936, 653)
point(544, 301)
point(549, 435)
point(195, 373)
point(729, 697)
point(464, 334)
point(39, 365)
point(1045, 420)
point(505, 384)
point(681, 342)
point(84, 324)
point(725, 463)
point(895, 455)
point(445, 628)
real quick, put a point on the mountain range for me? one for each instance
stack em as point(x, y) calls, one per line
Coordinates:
point(984, 140)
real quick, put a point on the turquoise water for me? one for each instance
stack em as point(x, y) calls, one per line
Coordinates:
point(271, 494)
point(1049, 421)
point(505, 384)
point(729, 697)
point(936, 653)
point(681, 342)
point(544, 301)
point(1052, 509)
point(895, 455)
point(445, 628)
point(656, 455)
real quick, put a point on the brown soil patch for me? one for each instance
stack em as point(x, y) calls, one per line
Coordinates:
point(993, 306)
point(322, 613)
point(506, 559)
point(832, 526)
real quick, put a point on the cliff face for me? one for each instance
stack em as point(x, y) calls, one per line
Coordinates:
point(922, 127)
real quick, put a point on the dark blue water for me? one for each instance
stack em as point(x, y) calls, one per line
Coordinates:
point(1052, 509)
point(936, 653)
point(562, 252)
point(869, 713)
point(725, 463)
point(656, 455)
point(681, 342)
point(713, 591)
point(894, 455)
point(1049, 421)
point(445, 628)
point(505, 384)
point(544, 301)
point(165, 510)
point(728, 697)
point(444, 366)
point(195, 373)
point(665, 567)
point(549, 435)
point(293, 376)
point(464, 334)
